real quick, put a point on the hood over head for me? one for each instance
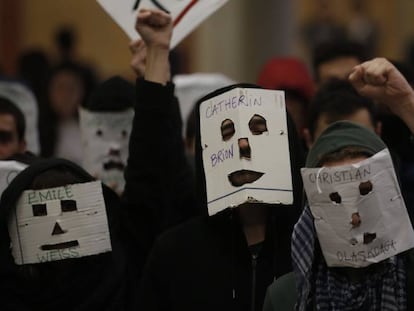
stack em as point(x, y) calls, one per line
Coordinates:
point(114, 94)
point(75, 281)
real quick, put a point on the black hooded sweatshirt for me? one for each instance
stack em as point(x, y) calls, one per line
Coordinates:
point(98, 282)
point(205, 263)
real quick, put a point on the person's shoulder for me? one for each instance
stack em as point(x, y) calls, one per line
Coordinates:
point(184, 232)
point(281, 294)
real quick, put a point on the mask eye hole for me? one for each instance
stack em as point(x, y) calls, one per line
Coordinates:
point(99, 132)
point(365, 187)
point(227, 129)
point(39, 209)
point(68, 205)
point(335, 198)
point(257, 125)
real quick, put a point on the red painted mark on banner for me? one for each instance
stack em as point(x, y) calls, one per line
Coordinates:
point(184, 11)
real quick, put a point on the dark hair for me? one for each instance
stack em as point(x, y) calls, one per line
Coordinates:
point(350, 152)
point(71, 67)
point(86, 76)
point(331, 50)
point(337, 99)
point(8, 107)
point(65, 39)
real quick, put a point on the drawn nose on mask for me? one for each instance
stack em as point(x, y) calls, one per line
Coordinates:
point(244, 148)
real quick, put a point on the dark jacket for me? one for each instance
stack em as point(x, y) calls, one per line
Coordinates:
point(159, 189)
point(206, 264)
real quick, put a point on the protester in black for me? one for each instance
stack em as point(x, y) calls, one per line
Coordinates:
point(210, 262)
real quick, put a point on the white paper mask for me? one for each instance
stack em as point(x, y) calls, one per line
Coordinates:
point(105, 137)
point(26, 102)
point(358, 210)
point(245, 146)
point(9, 170)
point(191, 87)
point(59, 223)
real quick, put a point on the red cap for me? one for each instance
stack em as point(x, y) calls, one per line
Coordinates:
point(287, 74)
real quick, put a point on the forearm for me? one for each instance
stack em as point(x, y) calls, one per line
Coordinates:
point(157, 65)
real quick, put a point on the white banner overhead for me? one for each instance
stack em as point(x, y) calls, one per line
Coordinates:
point(186, 14)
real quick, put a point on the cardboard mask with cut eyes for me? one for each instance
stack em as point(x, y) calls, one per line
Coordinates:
point(59, 223)
point(359, 213)
point(105, 137)
point(245, 148)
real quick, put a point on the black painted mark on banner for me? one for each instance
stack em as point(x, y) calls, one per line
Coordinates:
point(136, 5)
point(155, 2)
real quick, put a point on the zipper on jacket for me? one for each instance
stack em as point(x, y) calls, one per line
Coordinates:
point(254, 264)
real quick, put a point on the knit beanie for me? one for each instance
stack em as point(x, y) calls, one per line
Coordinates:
point(343, 134)
point(114, 94)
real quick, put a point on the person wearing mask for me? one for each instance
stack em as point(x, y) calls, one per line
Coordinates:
point(224, 260)
point(370, 274)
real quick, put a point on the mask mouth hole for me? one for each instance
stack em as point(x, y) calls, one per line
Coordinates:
point(110, 165)
point(241, 177)
point(369, 237)
point(69, 244)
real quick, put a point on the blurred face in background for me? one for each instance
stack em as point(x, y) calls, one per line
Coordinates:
point(338, 68)
point(9, 138)
point(361, 116)
point(66, 93)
